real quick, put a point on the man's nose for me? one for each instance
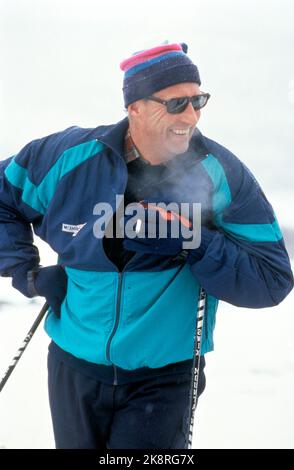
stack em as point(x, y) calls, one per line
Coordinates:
point(192, 115)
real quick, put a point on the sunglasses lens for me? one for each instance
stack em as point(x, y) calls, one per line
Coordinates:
point(177, 105)
point(199, 101)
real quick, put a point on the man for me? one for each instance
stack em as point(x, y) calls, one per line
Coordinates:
point(123, 310)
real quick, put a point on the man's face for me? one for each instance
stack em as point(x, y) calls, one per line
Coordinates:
point(164, 133)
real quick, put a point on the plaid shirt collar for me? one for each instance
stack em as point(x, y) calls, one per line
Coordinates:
point(131, 151)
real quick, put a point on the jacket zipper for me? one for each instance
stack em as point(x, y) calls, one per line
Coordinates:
point(117, 309)
point(117, 314)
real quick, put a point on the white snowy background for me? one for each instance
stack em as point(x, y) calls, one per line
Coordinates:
point(60, 67)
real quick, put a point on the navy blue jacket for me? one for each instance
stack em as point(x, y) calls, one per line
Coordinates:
point(145, 315)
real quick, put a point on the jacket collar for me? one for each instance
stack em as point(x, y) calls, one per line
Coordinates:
point(113, 136)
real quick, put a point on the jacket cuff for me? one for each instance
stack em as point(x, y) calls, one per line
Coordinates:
point(197, 254)
point(19, 278)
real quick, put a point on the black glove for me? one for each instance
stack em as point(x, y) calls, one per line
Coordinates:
point(49, 282)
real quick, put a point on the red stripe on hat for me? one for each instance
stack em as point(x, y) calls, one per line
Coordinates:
point(148, 54)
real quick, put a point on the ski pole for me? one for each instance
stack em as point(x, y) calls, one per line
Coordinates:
point(196, 364)
point(24, 345)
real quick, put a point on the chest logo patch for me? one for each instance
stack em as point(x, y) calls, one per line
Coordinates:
point(74, 229)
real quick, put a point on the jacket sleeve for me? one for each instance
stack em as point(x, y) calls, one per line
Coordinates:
point(22, 205)
point(243, 260)
point(29, 182)
point(16, 218)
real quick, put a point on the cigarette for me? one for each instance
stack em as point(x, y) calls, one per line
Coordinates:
point(138, 225)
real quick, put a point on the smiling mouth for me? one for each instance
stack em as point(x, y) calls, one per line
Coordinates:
point(181, 132)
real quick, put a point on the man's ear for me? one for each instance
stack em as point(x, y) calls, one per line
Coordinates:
point(134, 109)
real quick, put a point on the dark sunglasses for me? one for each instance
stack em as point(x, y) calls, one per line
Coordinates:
point(178, 105)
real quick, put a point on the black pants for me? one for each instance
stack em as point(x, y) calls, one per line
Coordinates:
point(89, 414)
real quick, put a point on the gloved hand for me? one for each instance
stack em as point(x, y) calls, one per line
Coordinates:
point(151, 236)
point(49, 282)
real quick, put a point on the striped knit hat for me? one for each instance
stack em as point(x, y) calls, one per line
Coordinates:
point(154, 69)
